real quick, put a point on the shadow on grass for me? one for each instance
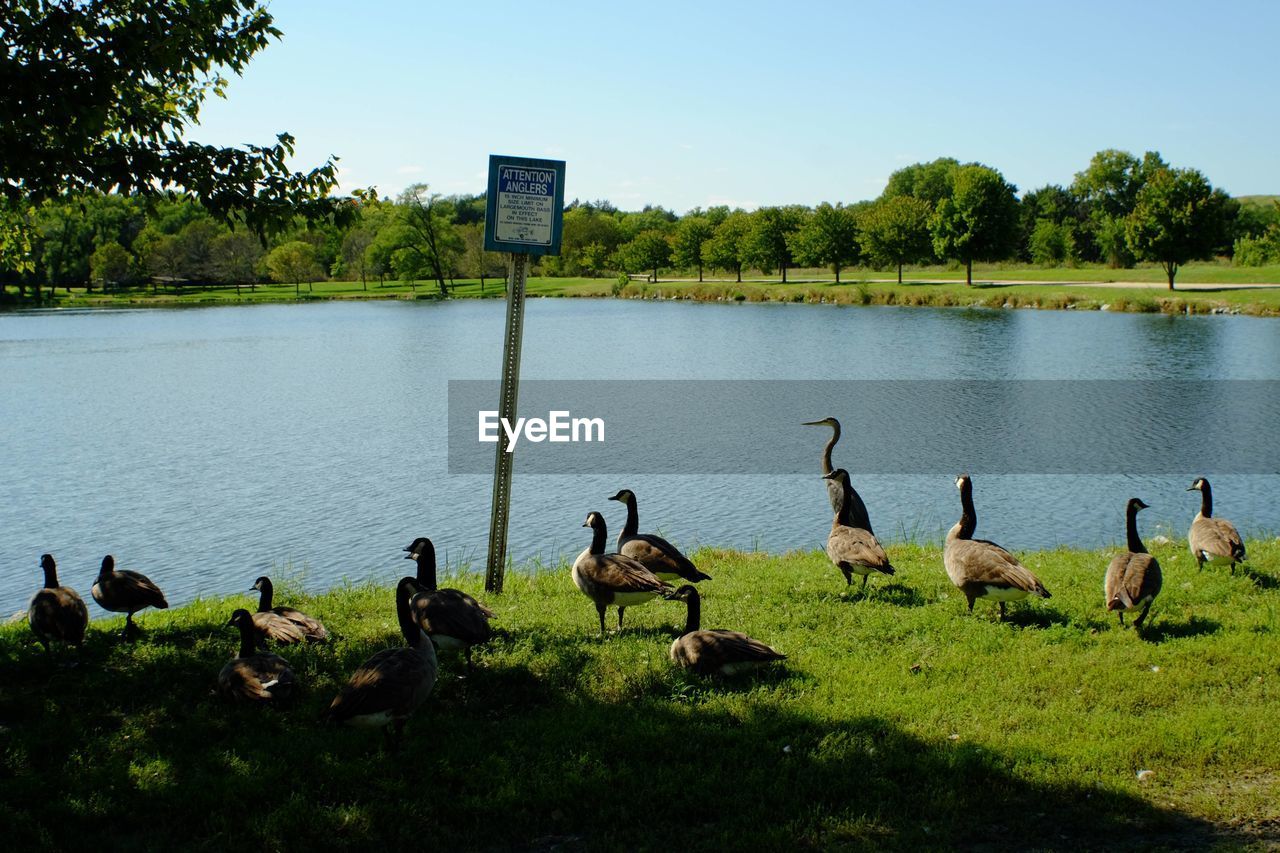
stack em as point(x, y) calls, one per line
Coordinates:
point(1160, 630)
point(170, 765)
point(1261, 580)
point(1036, 616)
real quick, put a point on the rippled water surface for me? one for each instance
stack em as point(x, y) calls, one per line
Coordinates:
point(207, 446)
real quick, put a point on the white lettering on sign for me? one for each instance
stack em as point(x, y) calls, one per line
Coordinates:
point(559, 426)
point(525, 208)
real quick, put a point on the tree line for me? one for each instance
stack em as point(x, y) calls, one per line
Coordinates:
point(1119, 210)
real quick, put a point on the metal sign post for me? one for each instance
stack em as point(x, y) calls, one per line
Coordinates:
point(523, 215)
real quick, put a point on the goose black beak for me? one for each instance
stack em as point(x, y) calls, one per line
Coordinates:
point(412, 555)
point(830, 476)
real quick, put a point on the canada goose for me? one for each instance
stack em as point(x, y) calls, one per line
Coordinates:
point(655, 553)
point(388, 687)
point(1213, 540)
point(715, 651)
point(57, 613)
point(311, 628)
point(982, 569)
point(613, 578)
point(254, 676)
point(125, 592)
point(1133, 578)
point(854, 549)
point(858, 510)
point(450, 617)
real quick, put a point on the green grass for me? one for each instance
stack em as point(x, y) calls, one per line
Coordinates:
point(1036, 287)
point(898, 721)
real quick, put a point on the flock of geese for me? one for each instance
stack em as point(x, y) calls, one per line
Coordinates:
point(386, 689)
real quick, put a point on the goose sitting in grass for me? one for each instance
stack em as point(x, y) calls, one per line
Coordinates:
point(708, 652)
point(657, 554)
point(982, 569)
point(450, 617)
point(253, 676)
point(388, 687)
point(57, 613)
point(853, 548)
point(125, 592)
point(312, 629)
point(1213, 540)
point(613, 579)
point(1133, 578)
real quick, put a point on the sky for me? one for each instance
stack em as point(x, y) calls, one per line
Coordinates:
point(701, 102)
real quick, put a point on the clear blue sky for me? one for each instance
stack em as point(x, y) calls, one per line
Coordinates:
point(694, 103)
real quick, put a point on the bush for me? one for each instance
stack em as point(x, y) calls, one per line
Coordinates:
point(1258, 251)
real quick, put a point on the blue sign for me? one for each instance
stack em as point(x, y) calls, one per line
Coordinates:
point(524, 210)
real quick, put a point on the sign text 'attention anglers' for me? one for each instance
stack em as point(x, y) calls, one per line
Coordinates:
point(527, 181)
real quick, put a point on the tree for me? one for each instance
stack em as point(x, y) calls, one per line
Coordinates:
point(294, 261)
point(929, 182)
point(767, 245)
point(1051, 243)
point(110, 264)
point(828, 238)
point(98, 93)
point(980, 219)
point(1177, 217)
point(1108, 190)
point(896, 231)
point(724, 249)
point(648, 251)
point(234, 257)
point(427, 236)
point(688, 243)
point(1050, 202)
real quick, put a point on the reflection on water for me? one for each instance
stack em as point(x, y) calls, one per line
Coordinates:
point(206, 446)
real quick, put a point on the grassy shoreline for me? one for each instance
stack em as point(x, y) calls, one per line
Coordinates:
point(898, 721)
point(1229, 290)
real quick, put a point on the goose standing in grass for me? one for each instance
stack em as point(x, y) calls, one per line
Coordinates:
point(720, 652)
point(1133, 578)
point(125, 592)
point(982, 569)
point(57, 613)
point(388, 687)
point(857, 510)
point(311, 628)
point(613, 579)
point(853, 548)
point(1213, 540)
point(657, 554)
point(450, 617)
point(253, 676)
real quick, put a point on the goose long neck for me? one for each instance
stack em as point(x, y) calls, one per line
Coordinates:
point(826, 451)
point(404, 615)
point(598, 535)
point(50, 576)
point(632, 526)
point(427, 568)
point(265, 596)
point(844, 508)
point(693, 616)
point(968, 516)
point(247, 647)
point(1131, 530)
point(1206, 500)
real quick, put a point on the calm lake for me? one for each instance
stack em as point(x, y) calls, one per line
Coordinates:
point(207, 446)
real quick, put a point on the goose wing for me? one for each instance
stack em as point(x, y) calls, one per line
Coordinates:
point(137, 588)
point(1218, 537)
point(458, 616)
point(983, 563)
point(393, 681)
point(857, 547)
point(272, 626)
point(661, 557)
point(470, 601)
point(313, 629)
point(58, 614)
point(259, 678)
point(708, 651)
point(619, 573)
point(1131, 578)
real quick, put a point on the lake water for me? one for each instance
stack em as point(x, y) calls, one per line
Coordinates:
point(207, 446)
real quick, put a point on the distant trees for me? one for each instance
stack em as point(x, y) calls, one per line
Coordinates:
point(979, 221)
point(1177, 217)
point(110, 264)
point(768, 241)
point(294, 261)
point(689, 242)
point(828, 237)
point(896, 231)
point(725, 249)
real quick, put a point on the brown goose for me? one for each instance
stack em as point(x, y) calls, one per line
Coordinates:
point(982, 569)
point(613, 578)
point(388, 687)
point(858, 510)
point(57, 613)
point(1213, 540)
point(854, 549)
point(450, 617)
point(311, 628)
point(657, 554)
point(719, 652)
point(256, 677)
point(125, 592)
point(1133, 578)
